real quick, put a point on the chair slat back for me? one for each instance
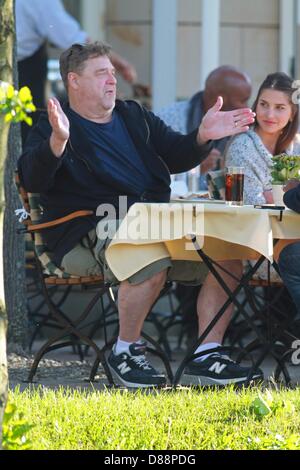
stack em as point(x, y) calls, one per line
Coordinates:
point(32, 205)
point(22, 193)
point(216, 184)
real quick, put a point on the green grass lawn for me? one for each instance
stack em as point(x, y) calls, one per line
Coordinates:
point(174, 420)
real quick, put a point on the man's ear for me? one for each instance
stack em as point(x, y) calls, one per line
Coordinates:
point(73, 80)
point(225, 103)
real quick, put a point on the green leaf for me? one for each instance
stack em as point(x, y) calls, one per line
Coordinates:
point(285, 167)
point(25, 94)
point(15, 429)
point(16, 105)
point(28, 120)
point(10, 410)
point(10, 91)
point(8, 117)
point(260, 407)
point(2, 94)
point(30, 107)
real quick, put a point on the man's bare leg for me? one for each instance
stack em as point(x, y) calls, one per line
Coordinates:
point(217, 369)
point(212, 297)
point(127, 360)
point(134, 303)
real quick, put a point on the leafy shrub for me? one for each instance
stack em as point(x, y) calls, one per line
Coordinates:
point(285, 167)
point(14, 104)
point(15, 428)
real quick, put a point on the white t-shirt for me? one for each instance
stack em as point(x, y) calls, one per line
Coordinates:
point(175, 115)
point(41, 20)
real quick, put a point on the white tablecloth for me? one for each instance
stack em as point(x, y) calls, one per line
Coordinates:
point(225, 232)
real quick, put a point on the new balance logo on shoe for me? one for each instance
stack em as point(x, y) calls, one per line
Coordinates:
point(217, 367)
point(133, 370)
point(124, 368)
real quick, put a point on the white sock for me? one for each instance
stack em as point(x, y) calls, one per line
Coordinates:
point(204, 347)
point(123, 346)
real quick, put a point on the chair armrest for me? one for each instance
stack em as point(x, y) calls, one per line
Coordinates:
point(61, 220)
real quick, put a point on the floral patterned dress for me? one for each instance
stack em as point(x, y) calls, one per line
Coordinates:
point(248, 151)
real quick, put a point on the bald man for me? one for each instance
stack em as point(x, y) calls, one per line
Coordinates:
point(228, 81)
point(185, 116)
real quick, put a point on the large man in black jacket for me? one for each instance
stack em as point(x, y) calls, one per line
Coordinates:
point(95, 149)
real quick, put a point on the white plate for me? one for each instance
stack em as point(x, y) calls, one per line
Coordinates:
point(198, 199)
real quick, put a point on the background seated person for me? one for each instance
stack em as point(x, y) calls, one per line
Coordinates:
point(185, 116)
point(93, 150)
point(289, 259)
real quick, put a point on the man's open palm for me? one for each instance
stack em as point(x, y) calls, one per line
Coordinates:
point(58, 120)
point(217, 124)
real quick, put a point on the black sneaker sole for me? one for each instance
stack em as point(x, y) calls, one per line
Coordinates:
point(203, 380)
point(120, 379)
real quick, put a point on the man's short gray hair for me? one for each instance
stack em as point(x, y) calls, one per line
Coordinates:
point(73, 59)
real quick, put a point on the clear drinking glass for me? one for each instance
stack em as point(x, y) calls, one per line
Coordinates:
point(234, 185)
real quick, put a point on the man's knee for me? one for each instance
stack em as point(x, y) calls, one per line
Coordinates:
point(157, 281)
point(289, 257)
point(153, 284)
point(234, 266)
point(229, 270)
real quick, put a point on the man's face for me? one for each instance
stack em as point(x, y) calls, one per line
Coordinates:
point(237, 97)
point(96, 83)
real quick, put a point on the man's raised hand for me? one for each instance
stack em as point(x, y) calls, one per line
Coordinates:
point(217, 124)
point(60, 127)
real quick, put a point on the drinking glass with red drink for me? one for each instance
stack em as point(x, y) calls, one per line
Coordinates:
point(234, 185)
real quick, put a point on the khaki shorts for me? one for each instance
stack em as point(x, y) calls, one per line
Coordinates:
point(87, 258)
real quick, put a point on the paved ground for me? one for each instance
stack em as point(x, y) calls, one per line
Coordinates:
point(62, 368)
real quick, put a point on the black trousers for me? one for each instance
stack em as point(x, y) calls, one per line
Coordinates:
point(33, 73)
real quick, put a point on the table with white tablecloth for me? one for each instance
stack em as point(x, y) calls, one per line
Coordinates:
point(151, 232)
point(225, 232)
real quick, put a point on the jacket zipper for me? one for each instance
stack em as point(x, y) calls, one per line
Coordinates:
point(148, 138)
point(77, 154)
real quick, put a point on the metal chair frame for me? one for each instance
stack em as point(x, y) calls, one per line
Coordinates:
point(69, 331)
point(266, 342)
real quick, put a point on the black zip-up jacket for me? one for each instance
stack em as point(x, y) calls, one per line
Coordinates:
point(77, 181)
point(292, 199)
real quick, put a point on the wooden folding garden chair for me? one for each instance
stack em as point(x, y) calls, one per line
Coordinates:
point(68, 331)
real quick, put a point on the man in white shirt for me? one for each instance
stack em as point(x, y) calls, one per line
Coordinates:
point(39, 21)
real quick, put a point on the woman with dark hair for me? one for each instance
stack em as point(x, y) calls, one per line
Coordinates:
point(274, 132)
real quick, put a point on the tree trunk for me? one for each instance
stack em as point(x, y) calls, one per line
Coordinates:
point(14, 244)
point(6, 49)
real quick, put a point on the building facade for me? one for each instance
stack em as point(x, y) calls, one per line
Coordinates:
point(174, 44)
